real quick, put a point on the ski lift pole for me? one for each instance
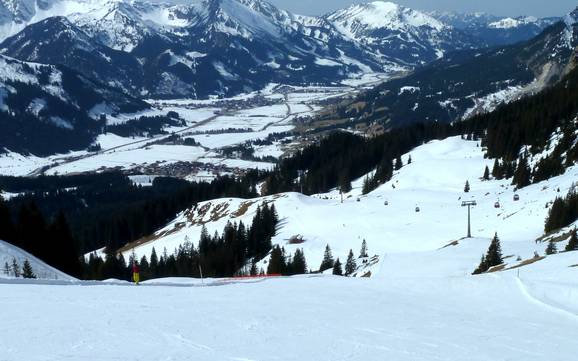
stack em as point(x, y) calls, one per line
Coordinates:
point(469, 204)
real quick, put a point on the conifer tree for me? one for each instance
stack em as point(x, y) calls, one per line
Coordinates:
point(327, 261)
point(494, 255)
point(409, 159)
point(467, 187)
point(337, 270)
point(253, 271)
point(27, 270)
point(497, 171)
point(492, 258)
point(277, 263)
point(573, 243)
point(15, 268)
point(363, 252)
point(522, 175)
point(350, 265)
point(551, 249)
point(299, 264)
point(6, 269)
point(486, 175)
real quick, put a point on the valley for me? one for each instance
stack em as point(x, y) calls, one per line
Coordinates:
point(227, 180)
point(281, 111)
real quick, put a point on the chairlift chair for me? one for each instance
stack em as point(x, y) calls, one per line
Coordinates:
point(516, 197)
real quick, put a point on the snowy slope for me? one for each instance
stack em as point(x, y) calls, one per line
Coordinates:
point(397, 32)
point(434, 181)
point(496, 30)
point(8, 253)
point(493, 317)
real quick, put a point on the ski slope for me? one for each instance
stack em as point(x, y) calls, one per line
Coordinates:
point(421, 302)
point(492, 317)
point(8, 253)
point(434, 182)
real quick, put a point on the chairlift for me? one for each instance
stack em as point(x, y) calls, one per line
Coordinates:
point(386, 203)
point(516, 197)
point(497, 205)
point(359, 200)
point(417, 209)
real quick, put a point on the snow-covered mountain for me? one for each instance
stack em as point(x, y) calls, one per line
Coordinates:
point(46, 109)
point(10, 254)
point(208, 47)
point(495, 30)
point(399, 33)
point(448, 89)
point(65, 44)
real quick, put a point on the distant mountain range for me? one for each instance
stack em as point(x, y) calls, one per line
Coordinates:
point(463, 84)
point(229, 46)
point(111, 53)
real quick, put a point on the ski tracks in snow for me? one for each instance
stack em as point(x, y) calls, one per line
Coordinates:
point(554, 307)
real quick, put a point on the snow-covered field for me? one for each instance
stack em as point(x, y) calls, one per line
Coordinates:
point(434, 182)
point(215, 124)
point(421, 302)
point(491, 317)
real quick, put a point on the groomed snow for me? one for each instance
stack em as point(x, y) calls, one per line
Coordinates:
point(299, 318)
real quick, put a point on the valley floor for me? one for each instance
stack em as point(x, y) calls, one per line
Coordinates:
point(490, 317)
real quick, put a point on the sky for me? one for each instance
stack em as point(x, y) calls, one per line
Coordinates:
point(540, 8)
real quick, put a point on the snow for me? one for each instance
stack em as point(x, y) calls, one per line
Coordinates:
point(8, 253)
point(434, 181)
point(509, 23)
point(297, 318)
point(378, 15)
point(421, 302)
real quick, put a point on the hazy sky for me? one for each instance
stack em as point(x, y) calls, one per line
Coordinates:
point(539, 8)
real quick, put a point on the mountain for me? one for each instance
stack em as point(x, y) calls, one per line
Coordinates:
point(449, 89)
point(46, 109)
point(396, 32)
point(65, 44)
point(495, 30)
point(225, 47)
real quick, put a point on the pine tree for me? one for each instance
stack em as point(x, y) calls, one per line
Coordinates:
point(494, 255)
point(409, 160)
point(327, 261)
point(27, 270)
point(522, 175)
point(253, 271)
point(467, 187)
point(337, 270)
point(350, 265)
point(299, 264)
point(497, 171)
point(15, 268)
point(486, 175)
point(6, 269)
point(492, 258)
point(363, 252)
point(277, 263)
point(573, 243)
point(551, 249)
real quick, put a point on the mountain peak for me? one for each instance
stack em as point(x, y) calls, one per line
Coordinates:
point(385, 14)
